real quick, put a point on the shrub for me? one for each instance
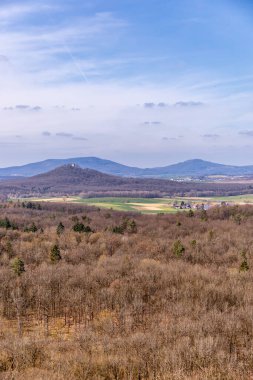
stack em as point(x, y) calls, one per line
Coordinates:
point(178, 248)
point(18, 266)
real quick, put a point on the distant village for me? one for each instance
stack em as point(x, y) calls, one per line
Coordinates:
point(184, 205)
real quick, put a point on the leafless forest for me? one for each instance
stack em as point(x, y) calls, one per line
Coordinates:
point(72, 180)
point(95, 294)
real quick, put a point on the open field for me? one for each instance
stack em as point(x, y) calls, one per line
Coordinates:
point(143, 205)
point(239, 199)
point(148, 205)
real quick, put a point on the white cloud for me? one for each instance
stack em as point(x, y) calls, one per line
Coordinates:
point(53, 50)
point(11, 13)
point(60, 64)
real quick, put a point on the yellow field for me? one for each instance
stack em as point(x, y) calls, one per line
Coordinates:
point(147, 205)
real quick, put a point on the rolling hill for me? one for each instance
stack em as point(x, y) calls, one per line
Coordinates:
point(199, 168)
point(73, 180)
point(104, 166)
point(190, 168)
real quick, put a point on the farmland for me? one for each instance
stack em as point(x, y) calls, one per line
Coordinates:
point(148, 205)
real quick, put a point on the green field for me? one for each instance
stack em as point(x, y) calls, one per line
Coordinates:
point(243, 199)
point(146, 205)
point(143, 205)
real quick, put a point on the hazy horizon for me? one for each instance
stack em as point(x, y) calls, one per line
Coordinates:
point(119, 162)
point(147, 83)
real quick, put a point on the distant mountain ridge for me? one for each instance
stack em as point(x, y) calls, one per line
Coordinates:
point(95, 163)
point(189, 168)
point(198, 167)
point(71, 179)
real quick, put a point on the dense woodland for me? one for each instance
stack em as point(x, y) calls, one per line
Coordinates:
point(72, 180)
point(94, 294)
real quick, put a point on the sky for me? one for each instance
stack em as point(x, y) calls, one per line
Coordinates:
point(142, 82)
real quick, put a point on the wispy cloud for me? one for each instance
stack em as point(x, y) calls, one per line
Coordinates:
point(80, 138)
point(64, 134)
point(16, 11)
point(188, 104)
point(152, 123)
point(53, 50)
point(211, 136)
point(248, 133)
point(22, 107)
point(46, 134)
point(97, 62)
point(153, 105)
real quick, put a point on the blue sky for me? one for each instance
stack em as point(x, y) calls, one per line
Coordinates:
point(142, 82)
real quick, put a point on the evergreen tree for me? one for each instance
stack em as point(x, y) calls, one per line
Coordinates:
point(18, 266)
point(178, 248)
point(203, 215)
point(5, 223)
point(80, 227)
point(118, 229)
point(190, 213)
point(244, 267)
point(60, 229)
point(132, 227)
point(55, 254)
point(33, 228)
point(194, 244)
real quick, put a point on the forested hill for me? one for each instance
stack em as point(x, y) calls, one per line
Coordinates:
point(190, 168)
point(73, 180)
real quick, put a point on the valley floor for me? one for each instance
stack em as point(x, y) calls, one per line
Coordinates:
point(151, 205)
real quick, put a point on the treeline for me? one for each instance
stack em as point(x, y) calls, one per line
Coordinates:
point(95, 294)
point(69, 180)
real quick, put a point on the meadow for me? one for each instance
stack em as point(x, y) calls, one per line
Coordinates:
point(147, 205)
